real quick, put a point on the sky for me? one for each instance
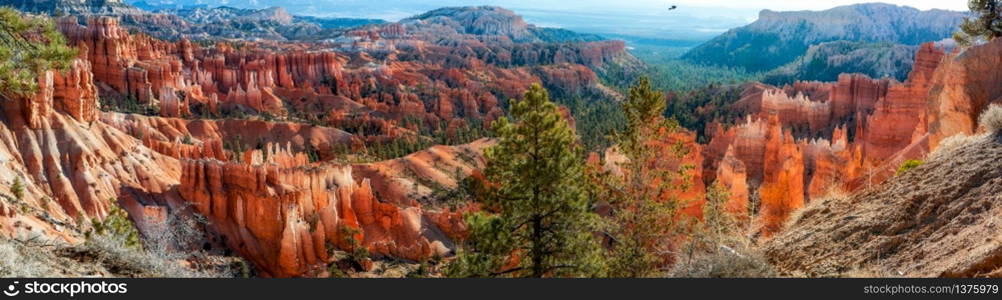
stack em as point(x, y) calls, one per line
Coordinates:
point(693, 20)
point(814, 5)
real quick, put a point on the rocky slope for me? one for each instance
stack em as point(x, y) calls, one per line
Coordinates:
point(937, 220)
point(778, 38)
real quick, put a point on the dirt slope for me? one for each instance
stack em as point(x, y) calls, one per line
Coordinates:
point(938, 220)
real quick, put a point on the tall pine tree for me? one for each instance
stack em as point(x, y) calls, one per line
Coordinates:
point(537, 221)
point(642, 196)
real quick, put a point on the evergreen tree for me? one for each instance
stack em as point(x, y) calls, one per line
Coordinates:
point(538, 221)
point(718, 223)
point(644, 208)
point(986, 25)
point(28, 46)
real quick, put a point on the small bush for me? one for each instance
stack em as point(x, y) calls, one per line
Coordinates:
point(17, 188)
point(242, 268)
point(118, 225)
point(358, 251)
point(423, 270)
point(908, 165)
point(991, 119)
point(358, 254)
point(334, 271)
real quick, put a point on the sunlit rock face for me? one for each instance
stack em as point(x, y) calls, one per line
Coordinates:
point(71, 166)
point(803, 140)
point(286, 215)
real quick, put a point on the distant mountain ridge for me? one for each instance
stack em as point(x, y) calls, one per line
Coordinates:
point(826, 61)
point(200, 21)
point(73, 7)
point(496, 21)
point(778, 38)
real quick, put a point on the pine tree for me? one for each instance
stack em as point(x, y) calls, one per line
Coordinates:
point(718, 223)
point(986, 25)
point(538, 221)
point(28, 46)
point(644, 209)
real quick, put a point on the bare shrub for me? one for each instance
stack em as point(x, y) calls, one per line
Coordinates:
point(135, 262)
point(718, 247)
point(115, 242)
point(834, 193)
point(991, 119)
point(948, 145)
point(178, 236)
point(17, 261)
point(725, 262)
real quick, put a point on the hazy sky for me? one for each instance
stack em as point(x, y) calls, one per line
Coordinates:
point(811, 4)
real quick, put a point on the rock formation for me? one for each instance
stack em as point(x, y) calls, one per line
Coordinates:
point(70, 165)
point(287, 216)
point(803, 140)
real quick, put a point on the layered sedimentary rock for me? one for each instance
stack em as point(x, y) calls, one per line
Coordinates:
point(73, 162)
point(409, 179)
point(69, 166)
point(135, 65)
point(782, 189)
point(390, 75)
point(732, 176)
point(803, 140)
point(963, 87)
point(287, 216)
point(895, 119)
point(829, 163)
point(74, 92)
point(242, 134)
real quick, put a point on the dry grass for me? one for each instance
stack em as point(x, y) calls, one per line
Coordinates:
point(835, 193)
point(133, 262)
point(949, 145)
point(172, 250)
point(16, 260)
point(991, 119)
point(742, 261)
